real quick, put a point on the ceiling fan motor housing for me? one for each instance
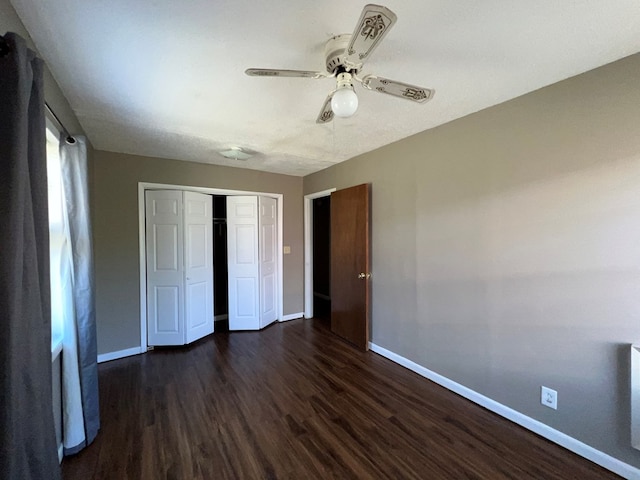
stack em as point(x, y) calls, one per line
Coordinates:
point(334, 52)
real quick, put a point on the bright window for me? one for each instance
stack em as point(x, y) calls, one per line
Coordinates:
point(56, 235)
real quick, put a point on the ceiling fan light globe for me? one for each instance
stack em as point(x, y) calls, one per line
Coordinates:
point(344, 102)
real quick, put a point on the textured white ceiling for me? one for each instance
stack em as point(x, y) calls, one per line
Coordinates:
point(165, 78)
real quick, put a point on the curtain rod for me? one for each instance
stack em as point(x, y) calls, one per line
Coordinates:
point(5, 49)
point(69, 138)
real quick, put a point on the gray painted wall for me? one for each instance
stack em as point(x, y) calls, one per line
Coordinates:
point(506, 250)
point(115, 227)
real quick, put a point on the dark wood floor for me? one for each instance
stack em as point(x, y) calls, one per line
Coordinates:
point(295, 402)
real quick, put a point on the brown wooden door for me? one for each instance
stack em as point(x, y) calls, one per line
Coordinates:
point(350, 264)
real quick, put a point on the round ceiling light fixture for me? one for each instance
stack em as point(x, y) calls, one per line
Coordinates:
point(237, 153)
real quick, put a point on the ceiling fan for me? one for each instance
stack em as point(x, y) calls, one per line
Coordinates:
point(344, 56)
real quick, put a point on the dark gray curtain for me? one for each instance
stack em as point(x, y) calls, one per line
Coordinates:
point(83, 345)
point(27, 436)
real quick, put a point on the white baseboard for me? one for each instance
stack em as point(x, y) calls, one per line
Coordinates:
point(576, 446)
point(292, 316)
point(60, 453)
point(106, 357)
point(217, 318)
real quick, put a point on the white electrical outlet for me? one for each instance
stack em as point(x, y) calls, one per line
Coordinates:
point(549, 398)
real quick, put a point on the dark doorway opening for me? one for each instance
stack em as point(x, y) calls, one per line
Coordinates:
point(322, 257)
point(220, 260)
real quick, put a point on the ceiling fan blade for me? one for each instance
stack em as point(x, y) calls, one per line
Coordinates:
point(398, 89)
point(270, 72)
point(375, 22)
point(326, 114)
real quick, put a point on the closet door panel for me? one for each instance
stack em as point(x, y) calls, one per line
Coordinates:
point(165, 277)
point(242, 248)
point(268, 258)
point(198, 265)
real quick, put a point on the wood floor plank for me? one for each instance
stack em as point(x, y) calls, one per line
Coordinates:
point(294, 401)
